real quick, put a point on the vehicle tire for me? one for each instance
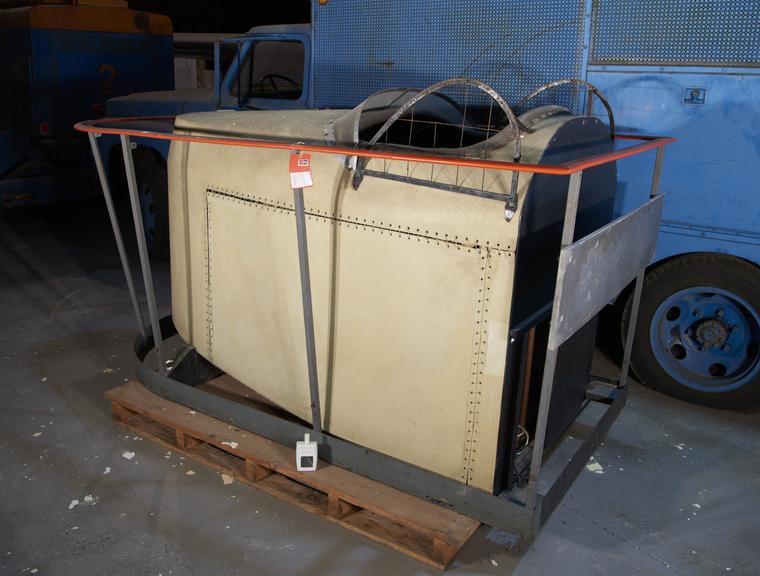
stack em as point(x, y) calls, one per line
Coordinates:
point(152, 186)
point(698, 333)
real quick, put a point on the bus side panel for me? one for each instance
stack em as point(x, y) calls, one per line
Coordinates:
point(77, 71)
point(711, 176)
point(515, 46)
point(16, 124)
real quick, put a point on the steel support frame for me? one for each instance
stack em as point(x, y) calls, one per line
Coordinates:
point(520, 512)
point(552, 351)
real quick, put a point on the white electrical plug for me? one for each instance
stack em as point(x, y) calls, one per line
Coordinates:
point(306, 455)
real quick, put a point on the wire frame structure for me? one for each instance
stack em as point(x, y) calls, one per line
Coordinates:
point(480, 123)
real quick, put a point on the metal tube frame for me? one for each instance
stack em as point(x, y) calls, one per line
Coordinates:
point(516, 510)
point(150, 292)
point(308, 313)
point(552, 351)
point(116, 230)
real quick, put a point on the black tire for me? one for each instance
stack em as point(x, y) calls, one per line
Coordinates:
point(152, 184)
point(608, 328)
point(662, 284)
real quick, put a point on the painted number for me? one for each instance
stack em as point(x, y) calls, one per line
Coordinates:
point(110, 74)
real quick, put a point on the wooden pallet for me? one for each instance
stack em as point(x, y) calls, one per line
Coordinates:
point(383, 514)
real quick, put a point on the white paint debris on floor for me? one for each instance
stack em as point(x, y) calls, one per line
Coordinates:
point(227, 479)
point(231, 444)
point(43, 379)
point(90, 499)
point(107, 470)
point(74, 503)
point(679, 446)
point(697, 506)
point(128, 455)
point(190, 472)
point(37, 434)
point(494, 562)
point(594, 466)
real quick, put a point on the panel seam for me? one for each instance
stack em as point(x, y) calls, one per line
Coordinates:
point(475, 390)
point(420, 234)
point(209, 282)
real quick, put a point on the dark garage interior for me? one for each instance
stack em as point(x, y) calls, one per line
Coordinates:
point(338, 287)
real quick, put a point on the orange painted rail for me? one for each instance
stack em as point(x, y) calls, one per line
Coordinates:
point(111, 126)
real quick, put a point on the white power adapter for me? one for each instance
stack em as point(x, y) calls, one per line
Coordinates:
point(306, 455)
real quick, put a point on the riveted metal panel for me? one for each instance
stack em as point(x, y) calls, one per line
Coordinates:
point(676, 32)
point(361, 47)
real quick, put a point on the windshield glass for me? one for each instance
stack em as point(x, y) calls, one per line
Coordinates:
point(271, 69)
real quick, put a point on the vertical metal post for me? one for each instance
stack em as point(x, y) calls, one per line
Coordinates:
point(239, 80)
point(129, 167)
point(218, 74)
point(308, 313)
point(116, 230)
point(657, 171)
point(552, 349)
point(634, 315)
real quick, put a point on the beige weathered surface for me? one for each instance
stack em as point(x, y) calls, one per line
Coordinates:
point(411, 289)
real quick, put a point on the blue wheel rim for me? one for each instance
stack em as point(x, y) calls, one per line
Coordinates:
point(707, 339)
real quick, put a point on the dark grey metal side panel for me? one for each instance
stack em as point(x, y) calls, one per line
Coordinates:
point(595, 269)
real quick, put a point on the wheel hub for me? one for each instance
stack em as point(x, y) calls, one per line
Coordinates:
point(707, 339)
point(711, 333)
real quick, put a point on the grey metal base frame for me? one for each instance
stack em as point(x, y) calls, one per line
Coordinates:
point(506, 511)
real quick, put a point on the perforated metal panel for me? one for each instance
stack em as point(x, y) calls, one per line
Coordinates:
point(676, 32)
point(361, 47)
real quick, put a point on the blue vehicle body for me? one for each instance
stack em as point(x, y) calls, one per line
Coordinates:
point(174, 102)
point(59, 65)
point(668, 67)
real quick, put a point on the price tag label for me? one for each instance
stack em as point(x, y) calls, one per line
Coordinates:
point(300, 171)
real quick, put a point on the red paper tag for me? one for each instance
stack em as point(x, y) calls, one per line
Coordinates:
point(300, 171)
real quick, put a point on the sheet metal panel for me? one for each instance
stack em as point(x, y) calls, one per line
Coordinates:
point(362, 47)
point(710, 174)
point(596, 268)
point(676, 32)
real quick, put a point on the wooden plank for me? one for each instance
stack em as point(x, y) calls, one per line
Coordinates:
point(413, 526)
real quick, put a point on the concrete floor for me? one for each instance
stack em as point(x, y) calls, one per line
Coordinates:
point(677, 492)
